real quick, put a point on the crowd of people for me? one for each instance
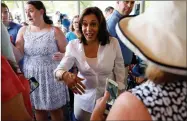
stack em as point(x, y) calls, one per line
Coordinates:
point(73, 63)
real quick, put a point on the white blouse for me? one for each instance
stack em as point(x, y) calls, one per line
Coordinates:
point(92, 62)
point(109, 64)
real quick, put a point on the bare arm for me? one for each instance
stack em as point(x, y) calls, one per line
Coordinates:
point(61, 40)
point(19, 49)
point(128, 107)
point(14, 109)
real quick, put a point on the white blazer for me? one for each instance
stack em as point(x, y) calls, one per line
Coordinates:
point(110, 64)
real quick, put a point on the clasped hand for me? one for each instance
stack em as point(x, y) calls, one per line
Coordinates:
point(74, 83)
point(58, 56)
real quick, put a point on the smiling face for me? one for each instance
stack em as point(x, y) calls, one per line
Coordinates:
point(34, 15)
point(90, 27)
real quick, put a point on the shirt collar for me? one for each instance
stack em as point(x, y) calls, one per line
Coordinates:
point(117, 13)
point(11, 24)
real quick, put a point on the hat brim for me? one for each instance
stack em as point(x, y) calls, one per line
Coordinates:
point(141, 52)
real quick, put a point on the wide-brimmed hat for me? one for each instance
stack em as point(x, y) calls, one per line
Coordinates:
point(158, 35)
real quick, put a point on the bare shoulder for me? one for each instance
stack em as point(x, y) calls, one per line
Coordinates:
point(23, 29)
point(20, 34)
point(57, 29)
point(58, 33)
point(131, 108)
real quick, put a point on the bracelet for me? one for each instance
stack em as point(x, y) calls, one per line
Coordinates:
point(59, 74)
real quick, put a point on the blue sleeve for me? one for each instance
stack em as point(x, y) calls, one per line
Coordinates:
point(70, 36)
point(127, 53)
point(111, 24)
point(67, 37)
point(19, 26)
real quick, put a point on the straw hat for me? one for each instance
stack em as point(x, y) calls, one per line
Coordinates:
point(158, 35)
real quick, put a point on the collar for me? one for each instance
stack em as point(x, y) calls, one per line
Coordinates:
point(117, 14)
point(9, 25)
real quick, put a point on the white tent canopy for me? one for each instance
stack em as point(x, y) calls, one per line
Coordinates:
point(77, 6)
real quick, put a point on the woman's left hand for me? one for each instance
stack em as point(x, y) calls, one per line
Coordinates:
point(100, 107)
point(58, 56)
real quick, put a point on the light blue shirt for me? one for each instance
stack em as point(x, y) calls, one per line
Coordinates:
point(70, 36)
point(112, 20)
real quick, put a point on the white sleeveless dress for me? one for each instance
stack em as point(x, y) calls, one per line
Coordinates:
point(39, 48)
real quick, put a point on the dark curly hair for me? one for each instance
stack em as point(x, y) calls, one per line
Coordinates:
point(103, 34)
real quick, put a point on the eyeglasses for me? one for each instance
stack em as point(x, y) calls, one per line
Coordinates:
point(33, 84)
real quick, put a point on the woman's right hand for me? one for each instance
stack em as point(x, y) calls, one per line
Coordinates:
point(74, 82)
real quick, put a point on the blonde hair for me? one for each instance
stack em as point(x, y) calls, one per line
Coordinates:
point(158, 76)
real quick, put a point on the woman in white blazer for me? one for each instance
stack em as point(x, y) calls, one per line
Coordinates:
point(97, 56)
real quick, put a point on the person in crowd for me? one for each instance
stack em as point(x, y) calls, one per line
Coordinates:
point(12, 27)
point(123, 8)
point(42, 46)
point(163, 97)
point(65, 22)
point(12, 99)
point(97, 56)
point(74, 29)
point(108, 11)
point(56, 19)
point(15, 98)
point(6, 46)
point(18, 17)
